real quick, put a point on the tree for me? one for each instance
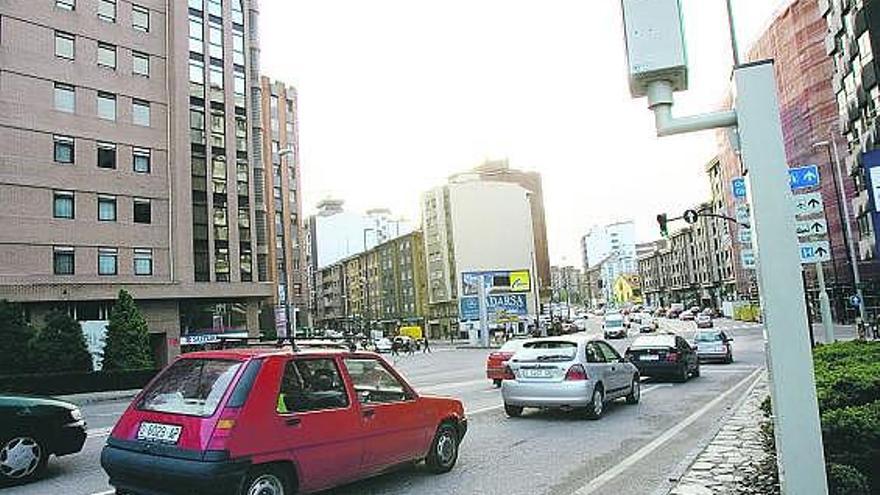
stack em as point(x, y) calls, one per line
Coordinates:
point(127, 345)
point(16, 334)
point(60, 346)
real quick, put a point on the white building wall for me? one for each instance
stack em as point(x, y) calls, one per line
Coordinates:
point(435, 229)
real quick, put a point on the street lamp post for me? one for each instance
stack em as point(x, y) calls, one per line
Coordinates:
point(366, 284)
point(843, 209)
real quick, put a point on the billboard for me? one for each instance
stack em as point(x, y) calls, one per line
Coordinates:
point(871, 161)
point(497, 306)
point(506, 294)
point(496, 282)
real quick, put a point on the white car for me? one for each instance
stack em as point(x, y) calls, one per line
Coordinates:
point(383, 345)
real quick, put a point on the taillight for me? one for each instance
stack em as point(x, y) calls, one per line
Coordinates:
point(672, 356)
point(223, 428)
point(508, 374)
point(576, 373)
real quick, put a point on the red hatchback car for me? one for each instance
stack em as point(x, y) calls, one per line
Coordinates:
point(276, 422)
point(497, 360)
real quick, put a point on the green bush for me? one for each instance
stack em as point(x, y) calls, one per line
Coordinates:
point(852, 437)
point(846, 480)
point(60, 346)
point(127, 345)
point(15, 334)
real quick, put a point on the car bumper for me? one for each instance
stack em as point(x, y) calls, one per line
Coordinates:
point(148, 474)
point(70, 439)
point(620, 334)
point(657, 368)
point(547, 394)
point(712, 356)
point(704, 325)
point(495, 373)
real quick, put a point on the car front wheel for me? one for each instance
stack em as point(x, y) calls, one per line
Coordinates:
point(21, 458)
point(444, 450)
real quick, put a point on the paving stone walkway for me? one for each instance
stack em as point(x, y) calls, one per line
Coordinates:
point(732, 454)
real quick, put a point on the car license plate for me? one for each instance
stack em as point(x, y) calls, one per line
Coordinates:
point(649, 357)
point(537, 373)
point(158, 432)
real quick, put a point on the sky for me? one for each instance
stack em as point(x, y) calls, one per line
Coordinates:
point(397, 95)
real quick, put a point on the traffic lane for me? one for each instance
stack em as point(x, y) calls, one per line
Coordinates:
point(558, 452)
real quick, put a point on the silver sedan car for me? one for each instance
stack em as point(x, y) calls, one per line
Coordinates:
point(572, 372)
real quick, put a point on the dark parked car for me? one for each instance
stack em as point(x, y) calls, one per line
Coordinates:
point(664, 356)
point(33, 428)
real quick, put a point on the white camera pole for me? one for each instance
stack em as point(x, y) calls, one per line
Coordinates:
point(657, 65)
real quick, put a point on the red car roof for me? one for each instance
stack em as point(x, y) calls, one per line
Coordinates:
point(246, 353)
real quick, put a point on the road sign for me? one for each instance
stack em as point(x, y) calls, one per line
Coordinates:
point(808, 204)
point(739, 187)
point(747, 257)
point(813, 251)
point(855, 301)
point(803, 177)
point(690, 216)
point(745, 236)
point(812, 228)
point(281, 321)
point(742, 214)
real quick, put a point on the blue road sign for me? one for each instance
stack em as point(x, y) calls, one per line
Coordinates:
point(739, 187)
point(803, 177)
point(855, 300)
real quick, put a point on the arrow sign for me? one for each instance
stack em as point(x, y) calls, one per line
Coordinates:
point(814, 251)
point(803, 177)
point(745, 236)
point(739, 187)
point(808, 204)
point(809, 228)
point(742, 214)
point(747, 257)
point(690, 216)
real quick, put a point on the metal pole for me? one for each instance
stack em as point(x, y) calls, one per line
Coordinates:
point(484, 312)
point(734, 48)
point(854, 260)
point(824, 305)
point(800, 455)
point(839, 212)
point(807, 308)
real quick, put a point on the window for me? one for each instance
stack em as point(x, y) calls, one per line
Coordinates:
point(107, 208)
point(311, 385)
point(215, 39)
point(196, 34)
point(241, 134)
point(65, 98)
point(237, 13)
point(216, 74)
point(107, 10)
point(143, 261)
point(215, 7)
point(238, 89)
point(140, 112)
point(66, 4)
point(197, 126)
point(221, 264)
point(238, 48)
point(64, 46)
point(63, 260)
point(140, 64)
point(107, 55)
point(63, 149)
point(374, 383)
point(140, 18)
point(106, 106)
point(197, 78)
point(107, 261)
point(106, 155)
point(221, 228)
point(63, 204)
point(140, 160)
point(143, 212)
point(197, 4)
point(218, 130)
point(192, 387)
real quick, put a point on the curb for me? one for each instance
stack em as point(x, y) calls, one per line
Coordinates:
point(97, 397)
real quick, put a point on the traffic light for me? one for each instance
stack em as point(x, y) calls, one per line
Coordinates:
point(664, 229)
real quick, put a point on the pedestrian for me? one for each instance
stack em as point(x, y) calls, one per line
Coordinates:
point(395, 346)
point(427, 347)
point(411, 347)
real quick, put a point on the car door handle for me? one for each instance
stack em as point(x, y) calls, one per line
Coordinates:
point(293, 421)
point(368, 413)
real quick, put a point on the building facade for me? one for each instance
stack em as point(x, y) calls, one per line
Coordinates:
point(567, 284)
point(129, 154)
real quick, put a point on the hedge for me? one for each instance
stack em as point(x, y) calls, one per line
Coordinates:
point(75, 382)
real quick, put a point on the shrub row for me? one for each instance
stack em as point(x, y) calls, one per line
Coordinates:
point(75, 382)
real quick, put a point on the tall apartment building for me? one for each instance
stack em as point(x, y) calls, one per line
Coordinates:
point(129, 152)
point(602, 240)
point(851, 34)
point(282, 257)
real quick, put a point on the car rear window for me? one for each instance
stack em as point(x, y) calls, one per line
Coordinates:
point(708, 337)
point(551, 344)
point(193, 387)
point(654, 341)
point(511, 346)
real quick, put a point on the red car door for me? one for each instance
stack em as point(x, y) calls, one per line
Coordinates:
point(321, 421)
point(395, 426)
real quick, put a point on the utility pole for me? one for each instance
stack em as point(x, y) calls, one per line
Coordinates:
point(853, 258)
point(658, 67)
point(824, 305)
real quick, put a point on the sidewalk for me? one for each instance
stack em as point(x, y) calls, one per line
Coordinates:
point(732, 454)
point(95, 397)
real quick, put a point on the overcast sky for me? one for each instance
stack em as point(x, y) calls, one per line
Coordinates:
point(396, 95)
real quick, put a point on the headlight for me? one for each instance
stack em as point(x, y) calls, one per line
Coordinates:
point(76, 414)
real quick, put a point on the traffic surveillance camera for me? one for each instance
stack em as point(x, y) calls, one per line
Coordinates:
point(655, 45)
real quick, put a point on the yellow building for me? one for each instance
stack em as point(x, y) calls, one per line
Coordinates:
point(627, 289)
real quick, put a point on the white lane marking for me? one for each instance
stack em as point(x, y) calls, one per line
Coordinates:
point(643, 452)
point(108, 492)
point(651, 388)
point(99, 432)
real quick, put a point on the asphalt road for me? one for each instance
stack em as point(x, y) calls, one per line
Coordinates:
point(632, 450)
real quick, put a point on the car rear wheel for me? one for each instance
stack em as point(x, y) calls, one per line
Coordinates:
point(697, 370)
point(635, 391)
point(22, 458)
point(729, 358)
point(513, 411)
point(444, 449)
point(683, 374)
point(597, 404)
point(268, 480)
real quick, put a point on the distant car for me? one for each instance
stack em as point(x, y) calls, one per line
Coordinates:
point(704, 321)
point(497, 360)
point(34, 428)
point(575, 372)
point(406, 343)
point(273, 421)
point(383, 345)
point(695, 309)
point(648, 325)
point(714, 345)
point(660, 312)
point(613, 327)
point(686, 316)
point(635, 318)
point(580, 324)
point(665, 355)
point(675, 309)
point(710, 312)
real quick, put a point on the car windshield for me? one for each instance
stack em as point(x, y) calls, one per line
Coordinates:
point(192, 387)
point(654, 341)
point(708, 337)
point(614, 322)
